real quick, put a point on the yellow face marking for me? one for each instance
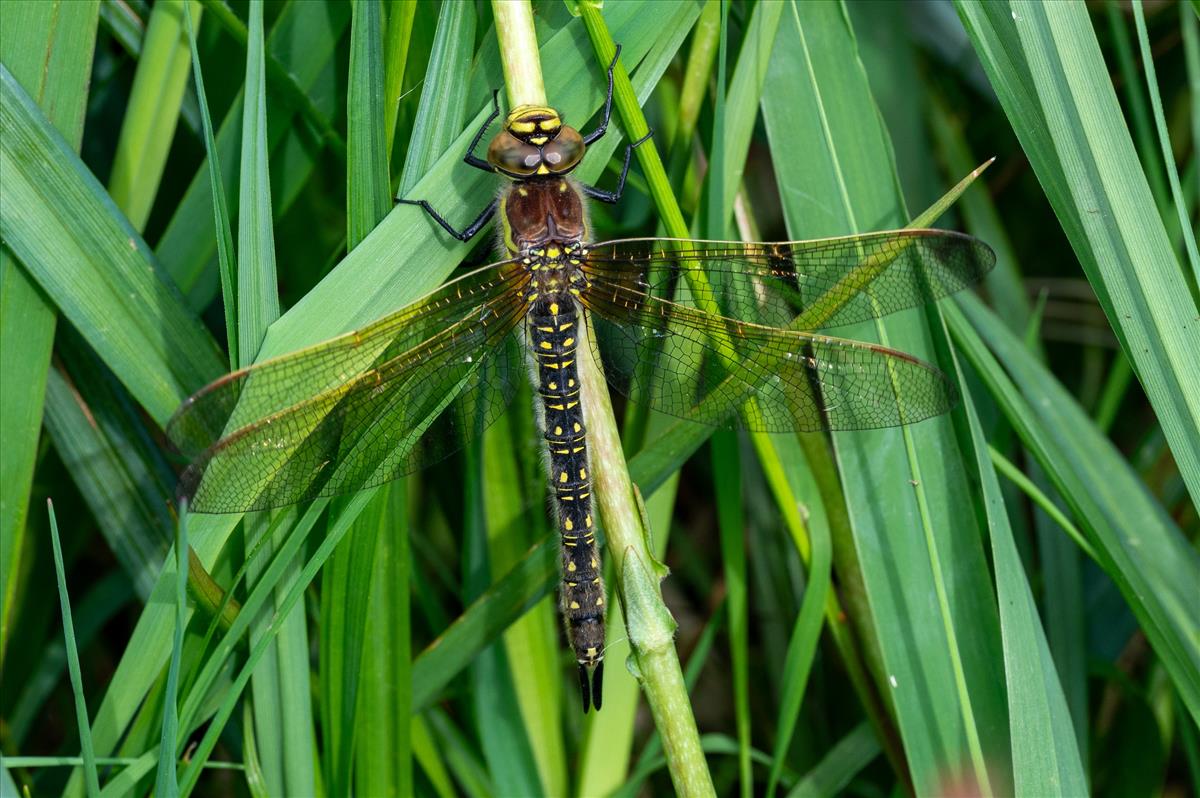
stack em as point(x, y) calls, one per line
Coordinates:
point(545, 345)
point(538, 140)
point(571, 567)
point(542, 170)
point(577, 427)
point(568, 524)
point(522, 127)
point(549, 124)
point(554, 308)
point(562, 477)
point(568, 341)
point(574, 605)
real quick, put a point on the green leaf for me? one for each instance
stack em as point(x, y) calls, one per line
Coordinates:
point(930, 605)
point(93, 265)
point(303, 43)
point(48, 47)
point(1047, 69)
point(1140, 548)
point(1045, 755)
point(166, 783)
point(226, 258)
point(81, 714)
point(152, 112)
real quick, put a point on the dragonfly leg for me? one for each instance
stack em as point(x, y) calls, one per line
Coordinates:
point(471, 229)
point(614, 195)
point(471, 158)
point(603, 127)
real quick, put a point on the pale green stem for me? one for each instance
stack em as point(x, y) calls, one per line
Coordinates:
point(650, 626)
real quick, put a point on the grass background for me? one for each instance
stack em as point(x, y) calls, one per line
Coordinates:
point(1002, 600)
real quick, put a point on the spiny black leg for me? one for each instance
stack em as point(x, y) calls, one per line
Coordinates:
point(585, 689)
point(613, 196)
point(598, 132)
point(471, 158)
point(465, 235)
point(597, 684)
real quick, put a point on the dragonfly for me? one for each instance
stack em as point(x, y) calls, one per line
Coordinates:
point(694, 329)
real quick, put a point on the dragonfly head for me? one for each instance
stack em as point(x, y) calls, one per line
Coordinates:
point(535, 143)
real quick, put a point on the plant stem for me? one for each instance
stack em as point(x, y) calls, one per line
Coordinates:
point(650, 625)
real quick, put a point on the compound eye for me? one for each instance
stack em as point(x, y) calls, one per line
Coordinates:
point(564, 152)
point(513, 156)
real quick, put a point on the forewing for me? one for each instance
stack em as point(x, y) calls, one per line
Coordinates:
point(361, 409)
point(805, 285)
point(703, 367)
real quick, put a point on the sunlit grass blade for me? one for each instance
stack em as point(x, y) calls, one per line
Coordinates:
point(152, 112)
point(939, 668)
point(81, 715)
point(1140, 548)
point(304, 39)
point(1054, 86)
point(48, 47)
point(93, 265)
point(165, 783)
point(1045, 754)
point(226, 257)
point(1164, 141)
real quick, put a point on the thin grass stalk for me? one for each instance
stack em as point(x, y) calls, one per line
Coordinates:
point(91, 778)
point(651, 628)
point(166, 783)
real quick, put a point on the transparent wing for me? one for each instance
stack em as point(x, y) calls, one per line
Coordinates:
point(702, 367)
point(826, 282)
point(360, 409)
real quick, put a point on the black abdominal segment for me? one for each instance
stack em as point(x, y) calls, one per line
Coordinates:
point(554, 337)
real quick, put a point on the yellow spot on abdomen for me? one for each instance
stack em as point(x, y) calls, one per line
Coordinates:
point(562, 477)
point(574, 605)
point(568, 525)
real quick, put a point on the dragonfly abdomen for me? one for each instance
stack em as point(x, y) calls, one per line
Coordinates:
point(554, 337)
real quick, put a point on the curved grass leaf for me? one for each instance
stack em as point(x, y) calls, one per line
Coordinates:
point(48, 47)
point(1045, 64)
point(906, 490)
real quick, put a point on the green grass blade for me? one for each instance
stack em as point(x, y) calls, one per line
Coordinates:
point(400, 14)
point(226, 258)
point(303, 42)
point(939, 668)
point(126, 482)
point(1045, 755)
point(81, 715)
point(1054, 86)
point(728, 490)
point(344, 603)
point(165, 782)
point(48, 47)
point(285, 608)
point(833, 773)
point(384, 750)
point(93, 265)
point(1164, 141)
point(1139, 546)
point(152, 112)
